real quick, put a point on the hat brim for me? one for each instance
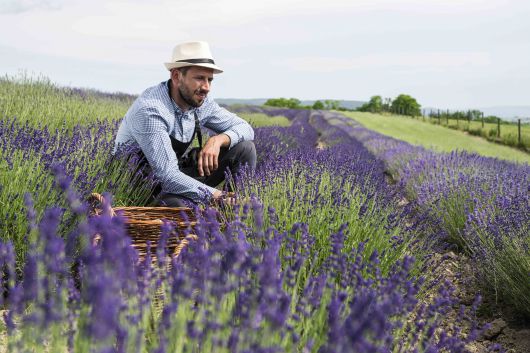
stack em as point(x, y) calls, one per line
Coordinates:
point(176, 65)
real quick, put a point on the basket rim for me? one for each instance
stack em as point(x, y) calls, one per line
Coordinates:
point(158, 209)
point(158, 222)
point(99, 198)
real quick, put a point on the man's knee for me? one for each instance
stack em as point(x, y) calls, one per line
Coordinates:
point(246, 147)
point(246, 151)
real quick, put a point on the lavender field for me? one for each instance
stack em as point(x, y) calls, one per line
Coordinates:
point(328, 250)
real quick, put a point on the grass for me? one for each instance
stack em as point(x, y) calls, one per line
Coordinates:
point(508, 131)
point(40, 102)
point(260, 119)
point(435, 137)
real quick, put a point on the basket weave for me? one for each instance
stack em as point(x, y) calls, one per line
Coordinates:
point(143, 225)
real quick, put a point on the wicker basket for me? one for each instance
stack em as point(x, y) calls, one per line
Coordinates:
point(144, 225)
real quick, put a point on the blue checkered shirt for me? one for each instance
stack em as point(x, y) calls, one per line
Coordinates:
point(153, 117)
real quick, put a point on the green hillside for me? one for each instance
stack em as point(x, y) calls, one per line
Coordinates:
point(435, 137)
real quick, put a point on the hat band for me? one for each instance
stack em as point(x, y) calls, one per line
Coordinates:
point(197, 61)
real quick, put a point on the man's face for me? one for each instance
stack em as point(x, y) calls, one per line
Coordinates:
point(195, 85)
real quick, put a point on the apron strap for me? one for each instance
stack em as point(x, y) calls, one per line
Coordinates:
point(197, 129)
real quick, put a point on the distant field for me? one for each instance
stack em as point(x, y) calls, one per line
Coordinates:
point(492, 128)
point(260, 119)
point(435, 137)
point(508, 132)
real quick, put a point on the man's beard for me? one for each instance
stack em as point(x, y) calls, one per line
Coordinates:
point(188, 98)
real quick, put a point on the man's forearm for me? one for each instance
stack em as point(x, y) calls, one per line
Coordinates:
point(221, 140)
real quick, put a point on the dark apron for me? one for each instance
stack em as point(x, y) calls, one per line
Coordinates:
point(180, 149)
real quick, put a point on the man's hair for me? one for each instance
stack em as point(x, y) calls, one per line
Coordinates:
point(184, 70)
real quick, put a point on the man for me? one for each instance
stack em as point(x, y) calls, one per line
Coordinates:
point(164, 120)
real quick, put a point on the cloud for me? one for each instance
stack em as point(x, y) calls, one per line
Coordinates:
point(379, 43)
point(416, 61)
point(20, 6)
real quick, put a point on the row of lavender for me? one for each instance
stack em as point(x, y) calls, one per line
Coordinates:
point(326, 188)
point(330, 276)
point(27, 155)
point(480, 204)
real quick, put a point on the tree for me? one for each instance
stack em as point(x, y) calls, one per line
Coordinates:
point(491, 119)
point(475, 114)
point(331, 104)
point(292, 103)
point(406, 105)
point(387, 104)
point(375, 105)
point(318, 105)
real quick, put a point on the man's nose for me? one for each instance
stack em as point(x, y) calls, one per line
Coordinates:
point(205, 86)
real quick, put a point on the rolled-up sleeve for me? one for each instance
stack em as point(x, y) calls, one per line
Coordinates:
point(221, 120)
point(151, 132)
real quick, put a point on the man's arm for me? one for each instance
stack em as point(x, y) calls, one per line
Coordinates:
point(151, 133)
point(231, 130)
point(221, 120)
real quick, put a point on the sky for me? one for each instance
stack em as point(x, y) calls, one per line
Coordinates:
point(455, 54)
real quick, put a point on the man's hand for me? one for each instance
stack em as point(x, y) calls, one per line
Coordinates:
point(209, 156)
point(221, 198)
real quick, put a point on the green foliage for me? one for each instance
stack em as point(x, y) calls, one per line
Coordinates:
point(475, 114)
point(491, 127)
point(402, 104)
point(375, 105)
point(318, 105)
point(506, 270)
point(331, 104)
point(491, 119)
point(405, 105)
point(291, 103)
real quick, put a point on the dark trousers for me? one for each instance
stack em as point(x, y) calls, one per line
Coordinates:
point(244, 153)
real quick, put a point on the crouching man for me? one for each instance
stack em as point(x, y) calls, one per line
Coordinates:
point(165, 119)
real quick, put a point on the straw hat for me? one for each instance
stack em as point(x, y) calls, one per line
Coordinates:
point(193, 54)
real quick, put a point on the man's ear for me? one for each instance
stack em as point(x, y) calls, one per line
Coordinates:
point(175, 75)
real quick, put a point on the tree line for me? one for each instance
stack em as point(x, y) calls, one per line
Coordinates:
point(403, 104)
point(293, 103)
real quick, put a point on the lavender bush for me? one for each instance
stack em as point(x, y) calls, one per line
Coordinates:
point(480, 204)
point(342, 184)
point(28, 156)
